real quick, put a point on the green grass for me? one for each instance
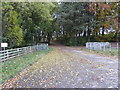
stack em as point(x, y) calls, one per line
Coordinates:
point(113, 52)
point(14, 66)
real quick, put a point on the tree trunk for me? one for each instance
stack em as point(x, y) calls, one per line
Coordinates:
point(103, 30)
point(84, 34)
point(79, 34)
point(96, 33)
point(33, 38)
point(88, 34)
point(49, 38)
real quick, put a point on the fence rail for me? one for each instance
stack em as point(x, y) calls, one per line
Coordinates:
point(12, 53)
point(102, 46)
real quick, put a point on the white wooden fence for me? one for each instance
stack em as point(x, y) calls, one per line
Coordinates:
point(11, 53)
point(98, 45)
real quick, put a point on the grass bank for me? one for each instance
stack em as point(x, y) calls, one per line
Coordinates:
point(14, 66)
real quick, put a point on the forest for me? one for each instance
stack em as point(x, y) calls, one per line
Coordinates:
point(69, 23)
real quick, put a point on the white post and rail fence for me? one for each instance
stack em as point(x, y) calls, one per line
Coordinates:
point(12, 53)
point(102, 46)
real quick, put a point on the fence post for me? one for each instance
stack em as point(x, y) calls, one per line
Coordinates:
point(37, 47)
point(40, 47)
point(25, 50)
point(47, 46)
point(33, 48)
point(4, 53)
point(7, 54)
point(44, 46)
point(104, 47)
point(90, 45)
point(30, 48)
point(117, 46)
point(100, 46)
point(93, 45)
point(110, 47)
point(18, 51)
point(22, 51)
point(86, 45)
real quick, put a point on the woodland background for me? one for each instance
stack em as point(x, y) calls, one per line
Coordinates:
point(69, 23)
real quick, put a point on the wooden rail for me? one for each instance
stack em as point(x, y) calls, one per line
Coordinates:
point(98, 45)
point(11, 53)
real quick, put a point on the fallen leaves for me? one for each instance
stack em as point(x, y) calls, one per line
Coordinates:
point(63, 68)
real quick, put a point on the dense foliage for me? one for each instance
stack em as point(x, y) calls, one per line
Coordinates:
point(72, 23)
point(28, 23)
point(82, 22)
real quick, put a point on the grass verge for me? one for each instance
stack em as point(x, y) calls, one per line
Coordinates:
point(14, 66)
point(113, 52)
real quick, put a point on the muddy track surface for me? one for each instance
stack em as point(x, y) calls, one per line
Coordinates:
point(67, 67)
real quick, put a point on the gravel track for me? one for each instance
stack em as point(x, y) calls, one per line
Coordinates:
point(67, 67)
